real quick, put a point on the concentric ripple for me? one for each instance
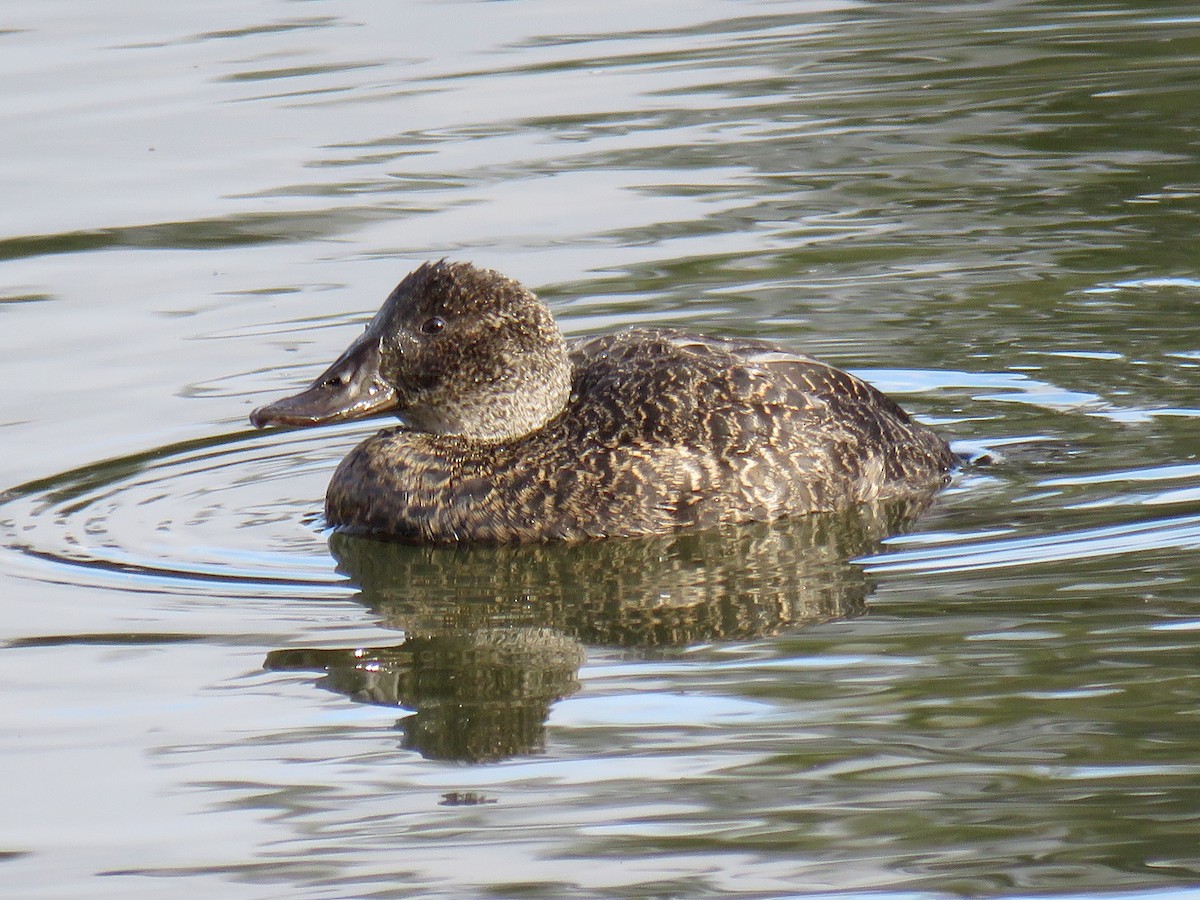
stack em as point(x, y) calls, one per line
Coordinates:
point(242, 510)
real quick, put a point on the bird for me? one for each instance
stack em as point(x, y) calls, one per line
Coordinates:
point(509, 433)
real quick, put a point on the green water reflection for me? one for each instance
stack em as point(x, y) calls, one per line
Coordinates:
point(494, 635)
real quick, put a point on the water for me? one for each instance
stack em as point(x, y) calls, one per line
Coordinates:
point(989, 210)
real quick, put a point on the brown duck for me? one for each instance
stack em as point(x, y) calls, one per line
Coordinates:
point(512, 433)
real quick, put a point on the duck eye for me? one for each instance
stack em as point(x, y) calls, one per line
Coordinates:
point(434, 325)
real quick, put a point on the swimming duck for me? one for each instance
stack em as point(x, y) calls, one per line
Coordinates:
point(512, 434)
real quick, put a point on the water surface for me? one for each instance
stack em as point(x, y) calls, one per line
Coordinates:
point(988, 210)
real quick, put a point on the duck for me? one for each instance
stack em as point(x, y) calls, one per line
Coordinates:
point(510, 433)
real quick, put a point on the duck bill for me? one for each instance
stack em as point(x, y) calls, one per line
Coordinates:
point(352, 388)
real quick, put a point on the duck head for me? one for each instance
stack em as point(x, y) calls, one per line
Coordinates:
point(454, 350)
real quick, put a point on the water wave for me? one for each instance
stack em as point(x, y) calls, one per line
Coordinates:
point(241, 509)
point(1181, 532)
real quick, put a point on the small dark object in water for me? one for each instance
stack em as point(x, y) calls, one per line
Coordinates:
point(512, 433)
point(465, 798)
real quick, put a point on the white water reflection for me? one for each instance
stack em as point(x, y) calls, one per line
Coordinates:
point(1180, 533)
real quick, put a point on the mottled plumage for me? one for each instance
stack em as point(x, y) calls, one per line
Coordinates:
point(525, 437)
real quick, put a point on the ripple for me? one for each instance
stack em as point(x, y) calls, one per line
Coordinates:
point(1181, 532)
point(241, 510)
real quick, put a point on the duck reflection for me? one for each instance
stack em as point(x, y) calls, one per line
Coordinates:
point(495, 634)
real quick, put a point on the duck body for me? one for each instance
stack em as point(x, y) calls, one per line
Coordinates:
point(644, 431)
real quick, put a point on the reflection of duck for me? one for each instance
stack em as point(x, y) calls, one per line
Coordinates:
point(720, 584)
point(495, 634)
point(478, 695)
point(512, 434)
